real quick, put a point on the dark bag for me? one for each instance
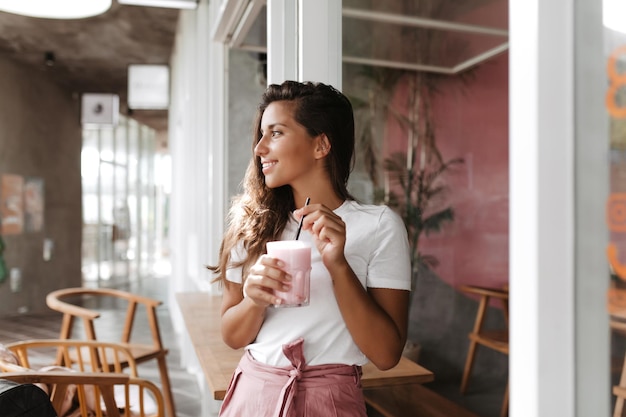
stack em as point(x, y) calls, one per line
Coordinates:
point(24, 400)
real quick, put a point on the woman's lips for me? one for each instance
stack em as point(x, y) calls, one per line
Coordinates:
point(267, 165)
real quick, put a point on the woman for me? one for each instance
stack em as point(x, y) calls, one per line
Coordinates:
point(305, 361)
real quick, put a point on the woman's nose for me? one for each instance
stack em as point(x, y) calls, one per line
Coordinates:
point(260, 148)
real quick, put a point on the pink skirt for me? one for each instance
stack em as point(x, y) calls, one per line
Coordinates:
point(259, 390)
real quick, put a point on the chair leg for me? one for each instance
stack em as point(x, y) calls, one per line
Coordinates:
point(469, 363)
point(504, 411)
point(619, 402)
point(167, 388)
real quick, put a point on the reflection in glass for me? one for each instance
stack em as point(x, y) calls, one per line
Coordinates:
point(615, 54)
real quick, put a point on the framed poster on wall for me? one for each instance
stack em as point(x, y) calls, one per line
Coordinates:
point(12, 204)
point(33, 204)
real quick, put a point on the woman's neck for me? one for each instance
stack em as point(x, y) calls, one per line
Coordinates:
point(330, 200)
point(318, 187)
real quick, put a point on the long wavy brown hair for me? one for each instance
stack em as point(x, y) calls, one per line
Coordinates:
point(260, 214)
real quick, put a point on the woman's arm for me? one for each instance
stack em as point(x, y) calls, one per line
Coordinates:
point(376, 318)
point(243, 306)
point(241, 318)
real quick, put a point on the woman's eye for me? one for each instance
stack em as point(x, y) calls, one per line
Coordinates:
point(276, 133)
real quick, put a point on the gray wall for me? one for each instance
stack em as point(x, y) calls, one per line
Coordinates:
point(245, 88)
point(40, 136)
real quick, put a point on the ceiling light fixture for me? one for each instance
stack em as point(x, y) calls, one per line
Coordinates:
point(148, 87)
point(170, 4)
point(59, 9)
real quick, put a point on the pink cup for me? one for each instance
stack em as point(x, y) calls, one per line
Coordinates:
point(297, 258)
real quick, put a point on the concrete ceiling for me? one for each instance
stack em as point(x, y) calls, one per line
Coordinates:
point(92, 55)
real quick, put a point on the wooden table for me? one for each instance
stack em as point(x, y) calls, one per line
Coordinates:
point(218, 361)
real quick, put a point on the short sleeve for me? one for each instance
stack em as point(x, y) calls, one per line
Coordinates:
point(235, 274)
point(390, 263)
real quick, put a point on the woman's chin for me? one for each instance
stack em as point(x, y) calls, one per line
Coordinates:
point(272, 184)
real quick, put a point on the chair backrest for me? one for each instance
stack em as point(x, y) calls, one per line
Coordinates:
point(486, 294)
point(110, 302)
point(68, 301)
point(92, 377)
point(497, 339)
point(80, 355)
point(110, 395)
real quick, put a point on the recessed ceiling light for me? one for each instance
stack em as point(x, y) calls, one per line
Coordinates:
point(58, 9)
point(171, 4)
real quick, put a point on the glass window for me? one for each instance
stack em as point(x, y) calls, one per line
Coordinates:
point(429, 85)
point(119, 203)
point(615, 55)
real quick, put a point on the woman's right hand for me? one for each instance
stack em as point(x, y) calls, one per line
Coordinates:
point(244, 306)
point(264, 277)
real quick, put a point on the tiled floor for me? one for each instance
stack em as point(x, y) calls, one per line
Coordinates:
point(484, 399)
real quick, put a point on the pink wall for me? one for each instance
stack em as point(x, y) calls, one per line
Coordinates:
point(471, 121)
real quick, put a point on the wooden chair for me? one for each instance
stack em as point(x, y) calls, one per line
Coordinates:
point(96, 376)
point(103, 401)
point(618, 323)
point(67, 301)
point(493, 339)
point(79, 355)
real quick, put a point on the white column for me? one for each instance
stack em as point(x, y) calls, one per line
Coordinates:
point(216, 136)
point(282, 45)
point(557, 189)
point(304, 41)
point(541, 209)
point(319, 41)
point(181, 139)
point(592, 333)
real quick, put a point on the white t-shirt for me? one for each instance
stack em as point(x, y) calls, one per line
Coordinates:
point(376, 248)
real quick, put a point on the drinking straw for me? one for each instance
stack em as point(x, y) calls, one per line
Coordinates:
point(306, 203)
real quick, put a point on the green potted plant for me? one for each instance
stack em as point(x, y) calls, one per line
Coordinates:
point(420, 200)
point(415, 185)
point(411, 182)
point(414, 181)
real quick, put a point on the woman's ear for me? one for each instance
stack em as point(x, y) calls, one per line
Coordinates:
point(322, 148)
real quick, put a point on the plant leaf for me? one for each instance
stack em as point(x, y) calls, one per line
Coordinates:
point(436, 221)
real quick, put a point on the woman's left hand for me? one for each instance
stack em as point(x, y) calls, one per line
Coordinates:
point(327, 229)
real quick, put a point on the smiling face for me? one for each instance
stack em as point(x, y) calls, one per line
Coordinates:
point(288, 154)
